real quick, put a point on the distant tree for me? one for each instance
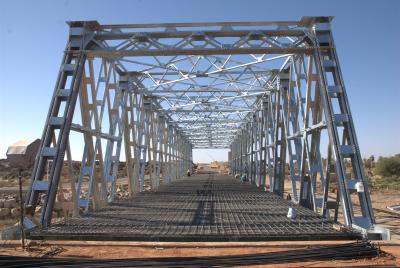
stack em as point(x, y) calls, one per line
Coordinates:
point(388, 166)
point(324, 161)
point(370, 162)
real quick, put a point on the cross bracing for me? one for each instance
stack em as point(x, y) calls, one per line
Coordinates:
point(272, 92)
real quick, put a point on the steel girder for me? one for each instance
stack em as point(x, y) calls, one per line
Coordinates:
point(272, 92)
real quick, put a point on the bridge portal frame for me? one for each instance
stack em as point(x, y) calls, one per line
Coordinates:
point(298, 101)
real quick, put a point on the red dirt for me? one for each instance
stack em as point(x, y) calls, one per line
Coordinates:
point(118, 250)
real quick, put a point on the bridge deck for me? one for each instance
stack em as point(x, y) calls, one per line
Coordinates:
point(201, 208)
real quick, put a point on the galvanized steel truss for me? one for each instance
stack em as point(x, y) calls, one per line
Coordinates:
point(272, 92)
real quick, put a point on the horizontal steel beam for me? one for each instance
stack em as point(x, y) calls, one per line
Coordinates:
point(103, 35)
point(209, 110)
point(215, 132)
point(207, 90)
point(191, 73)
point(301, 22)
point(216, 121)
point(115, 54)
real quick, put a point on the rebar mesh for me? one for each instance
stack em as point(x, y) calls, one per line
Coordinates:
point(200, 208)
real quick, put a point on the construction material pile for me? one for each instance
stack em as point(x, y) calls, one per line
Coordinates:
point(349, 251)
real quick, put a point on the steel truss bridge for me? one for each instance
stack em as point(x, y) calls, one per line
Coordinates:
point(272, 92)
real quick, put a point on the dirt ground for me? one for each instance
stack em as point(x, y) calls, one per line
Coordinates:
point(384, 216)
point(119, 250)
point(380, 201)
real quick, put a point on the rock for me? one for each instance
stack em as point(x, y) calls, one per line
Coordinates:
point(10, 203)
point(11, 233)
point(15, 212)
point(4, 212)
point(43, 198)
point(1, 203)
point(32, 243)
point(38, 209)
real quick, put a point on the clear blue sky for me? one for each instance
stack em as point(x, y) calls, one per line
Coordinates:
point(367, 35)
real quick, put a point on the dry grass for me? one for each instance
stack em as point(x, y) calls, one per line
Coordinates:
point(13, 183)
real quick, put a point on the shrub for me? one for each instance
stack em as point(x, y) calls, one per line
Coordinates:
point(388, 166)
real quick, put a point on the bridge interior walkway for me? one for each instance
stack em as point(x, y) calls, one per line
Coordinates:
point(203, 207)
